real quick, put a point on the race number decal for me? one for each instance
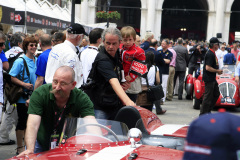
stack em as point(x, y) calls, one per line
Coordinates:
point(139, 68)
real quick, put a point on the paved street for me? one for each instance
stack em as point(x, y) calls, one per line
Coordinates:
point(178, 112)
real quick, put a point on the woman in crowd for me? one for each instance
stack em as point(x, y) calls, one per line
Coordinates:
point(152, 76)
point(27, 82)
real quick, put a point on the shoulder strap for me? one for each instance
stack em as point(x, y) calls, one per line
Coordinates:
point(25, 66)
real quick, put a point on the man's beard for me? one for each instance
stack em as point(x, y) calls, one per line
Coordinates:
point(60, 92)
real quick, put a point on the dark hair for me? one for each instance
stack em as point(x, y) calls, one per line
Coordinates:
point(54, 31)
point(45, 40)
point(153, 43)
point(149, 59)
point(94, 35)
point(27, 41)
point(15, 39)
point(58, 36)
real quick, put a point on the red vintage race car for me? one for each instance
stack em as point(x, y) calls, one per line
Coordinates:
point(154, 131)
point(229, 90)
point(87, 139)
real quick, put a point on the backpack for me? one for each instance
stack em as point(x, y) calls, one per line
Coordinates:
point(12, 59)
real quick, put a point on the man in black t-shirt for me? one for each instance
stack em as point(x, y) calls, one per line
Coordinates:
point(210, 69)
point(108, 95)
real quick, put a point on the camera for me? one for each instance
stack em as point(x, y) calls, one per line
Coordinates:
point(89, 84)
point(27, 94)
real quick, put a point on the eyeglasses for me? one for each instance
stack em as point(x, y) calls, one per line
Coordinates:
point(62, 84)
point(1, 44)
point(31, 45)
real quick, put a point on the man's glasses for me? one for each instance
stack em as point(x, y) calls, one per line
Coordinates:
point(31, 45)
point(1, 44)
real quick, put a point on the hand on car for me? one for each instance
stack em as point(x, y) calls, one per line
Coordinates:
point(26, 152)
point(219, 71)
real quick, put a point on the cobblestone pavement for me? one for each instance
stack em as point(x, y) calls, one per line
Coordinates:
point(178, 112)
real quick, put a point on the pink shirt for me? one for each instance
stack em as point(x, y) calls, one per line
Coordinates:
point(235, 52)
point(173, 61)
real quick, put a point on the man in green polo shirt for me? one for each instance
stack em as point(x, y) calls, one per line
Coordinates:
point(48, 107)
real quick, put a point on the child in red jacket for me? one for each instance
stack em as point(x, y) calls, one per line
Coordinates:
point(130, 51)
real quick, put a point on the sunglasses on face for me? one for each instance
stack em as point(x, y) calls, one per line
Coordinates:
point(1, 44)
point(31, 45)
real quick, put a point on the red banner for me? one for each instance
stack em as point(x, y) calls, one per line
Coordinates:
point(138, 67)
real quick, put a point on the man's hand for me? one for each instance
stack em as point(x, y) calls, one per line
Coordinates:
point(27, 102)
point(237, 79)
point(26, 152)
point(219, 71)
point(126, 85)
point(130, 103)
point(28, 86)
point(128, 78)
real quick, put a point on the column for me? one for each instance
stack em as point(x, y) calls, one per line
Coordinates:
point(220, 16)
point(84, 11)
point(151, 15)
point(226, 29)
point(211, 25)
point(143, 22)
point(158, 25)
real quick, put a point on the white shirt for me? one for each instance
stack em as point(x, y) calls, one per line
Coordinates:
point(151, 76)
point(87, 58)
point(13, 52)
point(220, 55)
point(60, 55)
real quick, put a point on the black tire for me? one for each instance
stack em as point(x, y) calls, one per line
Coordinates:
point(196, 102)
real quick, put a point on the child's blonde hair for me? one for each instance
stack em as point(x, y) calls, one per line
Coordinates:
point(128, 31)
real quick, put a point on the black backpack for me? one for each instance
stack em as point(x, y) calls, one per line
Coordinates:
point(12, 59)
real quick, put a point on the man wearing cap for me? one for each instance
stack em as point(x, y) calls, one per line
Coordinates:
point(66, 54)
point(210, 68)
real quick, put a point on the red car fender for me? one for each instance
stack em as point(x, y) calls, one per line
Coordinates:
point(198, 89)
point(189, 79)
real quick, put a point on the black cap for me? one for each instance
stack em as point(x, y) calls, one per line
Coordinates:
point(214, 40)
point(76, 29)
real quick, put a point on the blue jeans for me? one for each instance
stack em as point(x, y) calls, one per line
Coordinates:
point(38, 148)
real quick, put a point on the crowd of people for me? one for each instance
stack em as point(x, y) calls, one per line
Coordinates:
point(73, 73)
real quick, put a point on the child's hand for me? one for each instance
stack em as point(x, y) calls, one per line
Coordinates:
point(128, 78)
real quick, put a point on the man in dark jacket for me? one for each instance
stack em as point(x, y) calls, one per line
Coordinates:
point(181, 65)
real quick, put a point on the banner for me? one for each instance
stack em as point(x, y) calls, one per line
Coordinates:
point(7, 15)
point(39, 21)
point(139, 68)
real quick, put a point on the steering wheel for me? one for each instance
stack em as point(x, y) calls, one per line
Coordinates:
point(101, 126)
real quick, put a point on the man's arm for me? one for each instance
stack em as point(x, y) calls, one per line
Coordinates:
point(38, 82)
point(5, 65)
point(120, 92)
point(167, 61)
point(211, 69)
point(33, 124)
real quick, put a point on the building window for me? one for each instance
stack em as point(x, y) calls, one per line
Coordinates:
point(129, 16)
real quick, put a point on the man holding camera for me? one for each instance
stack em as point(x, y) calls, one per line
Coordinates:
point(211, 67)
point(196, 57)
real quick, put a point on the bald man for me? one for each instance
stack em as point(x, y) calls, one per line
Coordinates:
point(46, 106)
